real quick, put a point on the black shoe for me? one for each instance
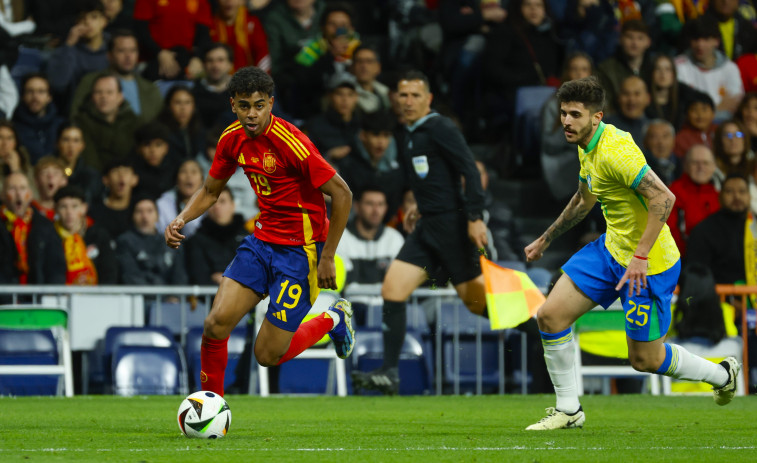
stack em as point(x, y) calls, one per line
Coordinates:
point(386, 381)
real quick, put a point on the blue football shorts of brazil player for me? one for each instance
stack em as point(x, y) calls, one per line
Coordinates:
point(596, 273)
point(287, 273)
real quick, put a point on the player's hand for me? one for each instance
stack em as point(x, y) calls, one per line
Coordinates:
point(477, 234)
point(327, 273)
point(411, 218)
point(535, 250)
point(172, 235)
point(636, 276)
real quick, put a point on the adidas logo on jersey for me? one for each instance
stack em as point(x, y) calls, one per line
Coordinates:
point(281, 315)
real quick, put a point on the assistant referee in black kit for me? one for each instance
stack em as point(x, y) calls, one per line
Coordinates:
point(446, 229)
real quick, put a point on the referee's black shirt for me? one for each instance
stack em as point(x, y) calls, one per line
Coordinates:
point(435, 157)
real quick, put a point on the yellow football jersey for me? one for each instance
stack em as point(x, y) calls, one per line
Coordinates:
point(612, 167)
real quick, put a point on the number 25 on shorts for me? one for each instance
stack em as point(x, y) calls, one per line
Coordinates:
point(637, 314)
point(294, 293)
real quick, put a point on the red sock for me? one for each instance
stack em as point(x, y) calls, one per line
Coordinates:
point(214, 354)
point(306, 335)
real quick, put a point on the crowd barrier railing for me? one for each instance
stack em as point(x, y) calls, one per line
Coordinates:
point(743, 294)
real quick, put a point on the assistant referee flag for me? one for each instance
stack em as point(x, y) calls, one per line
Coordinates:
point(511, 296)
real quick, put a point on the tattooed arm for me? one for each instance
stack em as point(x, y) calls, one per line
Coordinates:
point(659, 204)
point(580, 205)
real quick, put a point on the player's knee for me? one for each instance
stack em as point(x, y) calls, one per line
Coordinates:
point(548, 321)
point(642, 362)
point(213, 329)
point(266, 358)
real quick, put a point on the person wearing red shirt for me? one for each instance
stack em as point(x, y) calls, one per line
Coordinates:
point(170, 33)
point(243, 32)
point(696, 196)
point(290, 255)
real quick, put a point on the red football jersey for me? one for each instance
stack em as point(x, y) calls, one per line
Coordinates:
point(173, 22)
point(285, 169)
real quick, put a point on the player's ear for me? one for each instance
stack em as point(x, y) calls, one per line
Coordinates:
point(270, 102)
point(597, 117)
point(231, 102)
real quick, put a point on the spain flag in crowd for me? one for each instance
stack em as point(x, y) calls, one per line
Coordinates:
point(511, 296)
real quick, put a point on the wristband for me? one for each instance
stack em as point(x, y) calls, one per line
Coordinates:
point(640, 258)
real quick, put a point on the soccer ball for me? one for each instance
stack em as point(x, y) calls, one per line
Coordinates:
point(204, 414)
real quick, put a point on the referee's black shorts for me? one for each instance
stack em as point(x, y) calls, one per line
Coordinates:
point(440, 245)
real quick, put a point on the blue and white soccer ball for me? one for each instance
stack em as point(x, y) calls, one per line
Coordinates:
point(204, 414)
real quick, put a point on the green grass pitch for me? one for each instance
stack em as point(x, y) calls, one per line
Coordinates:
point(380, 429)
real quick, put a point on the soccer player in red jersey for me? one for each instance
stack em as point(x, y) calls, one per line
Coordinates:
point(291, 253)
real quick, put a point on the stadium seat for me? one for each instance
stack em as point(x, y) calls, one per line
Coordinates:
point(29, 60)
point(527, 125)
point(34, 342)
point(512, 264)
point(416, 318)
point(235, 347)
point(601, 333)
point(148, 370)
point(169, 314)
point(541, 278)
point(117, 336)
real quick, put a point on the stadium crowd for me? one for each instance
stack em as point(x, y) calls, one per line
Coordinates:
point(110, 111)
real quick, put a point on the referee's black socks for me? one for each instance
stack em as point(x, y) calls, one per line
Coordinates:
point(394, 326)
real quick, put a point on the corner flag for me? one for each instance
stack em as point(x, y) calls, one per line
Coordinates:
point(511, 297)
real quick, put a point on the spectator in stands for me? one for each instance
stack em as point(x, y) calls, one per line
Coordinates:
point(143, 257)
point(90, 258)
point(181, 118)
point(367, 246)
point(38, 251)
point(49, 176)
point(108, 123)
point(718, 241)
point(633, 100)
point(333, 131)
point(698, 127)
point(243, 32)
point(70, 145)
point(13, 156)
point(119, 18)
point(747, 114)
point(732, 148)
point(215, 244)
point(372, 95)
point(143, 96)
point(630, 59)
point(188, 180)
point(737, 34)
point(170, 33)
point(36, 118)
point(707, 69)
point(210, 95)
point(373, 160)
point(560, 165)
point(590, 26)
point(155, 165)
point(521, 51)
point(289, 24)
point(239, 184)
point(83, 51)
point(114, 211)
point(659, 141)
point(669, 96)
point(696, 195)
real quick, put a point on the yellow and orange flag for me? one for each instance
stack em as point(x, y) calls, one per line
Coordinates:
point(511, 296)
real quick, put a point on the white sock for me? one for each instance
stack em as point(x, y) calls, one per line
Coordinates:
point(560, 359)
point(334, 317)
point(685, 365)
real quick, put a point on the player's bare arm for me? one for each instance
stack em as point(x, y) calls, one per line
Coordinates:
point(576, 210)
point(660, 202)
point(341, 202)
point(200, 202)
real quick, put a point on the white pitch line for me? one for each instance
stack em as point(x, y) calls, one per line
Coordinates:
point(412, 449)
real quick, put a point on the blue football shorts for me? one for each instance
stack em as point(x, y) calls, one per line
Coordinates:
point(287, 273)
point(596, 273)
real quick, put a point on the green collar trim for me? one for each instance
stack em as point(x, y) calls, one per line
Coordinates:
point(595, 139)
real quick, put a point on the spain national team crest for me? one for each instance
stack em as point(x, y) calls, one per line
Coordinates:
point(269, 163)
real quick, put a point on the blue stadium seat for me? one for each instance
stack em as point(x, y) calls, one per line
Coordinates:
point(416, 318)
point(235, 347)
point(541, 278)
point(117, 336)
point(527, 123)
point(169, 315)
point(148, 370)
point(29, 60)
point(28, 347)
point(512, 264)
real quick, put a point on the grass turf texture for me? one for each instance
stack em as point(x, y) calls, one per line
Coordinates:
point(380, 429)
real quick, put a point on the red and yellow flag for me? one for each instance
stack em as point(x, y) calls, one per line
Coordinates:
point(511, 296)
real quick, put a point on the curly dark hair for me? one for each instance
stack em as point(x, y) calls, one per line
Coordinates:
point(249, 80)
point(587, 91)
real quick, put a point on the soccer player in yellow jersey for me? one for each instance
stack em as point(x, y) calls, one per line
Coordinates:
point(636, 260)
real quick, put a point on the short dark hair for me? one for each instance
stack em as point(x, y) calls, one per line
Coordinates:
point(371, 187)
point(370, 48)
point(377, 122)
point(70, 191)
point(634, 25)
point(120, 34)
point(700, 97)
point(215, 46)
point(116, 163)
point(414, 75)
point(734, 175)
point(88, 6)
point(153, 131)
point(587, 90)
point(33, 75)
point(334, 7)
point(703, 27)
point(106, 75)
point(249, 80)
